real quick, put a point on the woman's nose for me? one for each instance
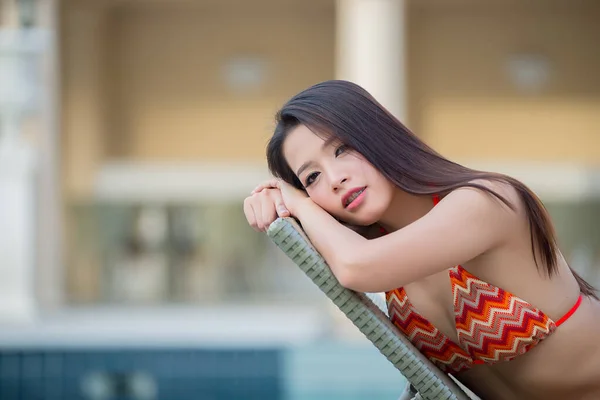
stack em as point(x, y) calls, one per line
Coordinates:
point(337, 183)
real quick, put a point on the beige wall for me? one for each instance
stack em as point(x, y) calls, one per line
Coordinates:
point(84, 122)
point(142, 79)
point(463, 103)
point(170, 98)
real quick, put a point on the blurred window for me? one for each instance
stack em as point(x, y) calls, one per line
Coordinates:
point(138, 253)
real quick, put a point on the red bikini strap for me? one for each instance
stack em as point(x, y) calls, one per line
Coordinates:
point(570, 312)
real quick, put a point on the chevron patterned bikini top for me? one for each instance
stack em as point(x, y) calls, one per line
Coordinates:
point(492, 324)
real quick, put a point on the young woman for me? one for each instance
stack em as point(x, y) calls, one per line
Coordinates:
point(468, 259)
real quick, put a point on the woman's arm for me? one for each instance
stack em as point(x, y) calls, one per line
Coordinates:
point(465, 224)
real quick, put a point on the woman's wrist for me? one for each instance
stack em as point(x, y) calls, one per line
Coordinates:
point(302, 207)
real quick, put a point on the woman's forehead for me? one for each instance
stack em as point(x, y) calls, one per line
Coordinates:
point(302, 145)
point(302, 133)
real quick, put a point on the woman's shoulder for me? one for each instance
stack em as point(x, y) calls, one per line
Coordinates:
point(504, 189)
point(504, 214)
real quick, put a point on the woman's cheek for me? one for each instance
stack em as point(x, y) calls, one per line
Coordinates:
point(326, 204)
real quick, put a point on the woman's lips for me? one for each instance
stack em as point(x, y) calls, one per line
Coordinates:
point(356, 199)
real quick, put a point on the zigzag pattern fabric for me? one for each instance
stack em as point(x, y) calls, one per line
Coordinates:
point(492, 324)
point(432, 343)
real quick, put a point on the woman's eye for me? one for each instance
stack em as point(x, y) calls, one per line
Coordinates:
point(340, 150)
point(310, 179)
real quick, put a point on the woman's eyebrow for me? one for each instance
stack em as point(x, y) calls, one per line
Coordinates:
point(307, 164)
point(303, 167)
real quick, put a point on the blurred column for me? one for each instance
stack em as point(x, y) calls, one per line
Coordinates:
point(17, 236)
point(21, 48)
point(370, 49)
point(49, 276)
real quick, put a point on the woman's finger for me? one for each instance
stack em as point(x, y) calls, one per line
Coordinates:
point(268, 212)
point(257, 208)
point(270, 184)
point(280, 207)
point(249, 213)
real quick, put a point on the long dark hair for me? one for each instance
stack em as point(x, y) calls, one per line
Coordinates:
point(346, 112)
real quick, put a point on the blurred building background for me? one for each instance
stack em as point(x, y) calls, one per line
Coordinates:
point(132, 130)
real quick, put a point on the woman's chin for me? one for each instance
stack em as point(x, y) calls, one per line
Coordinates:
point(360, 218)
point(364, 220)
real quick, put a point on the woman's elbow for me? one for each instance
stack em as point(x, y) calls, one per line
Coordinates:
point(346, 280)
point(348, 275)
point(360, 278)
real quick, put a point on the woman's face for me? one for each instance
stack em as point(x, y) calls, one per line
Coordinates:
point(338, 179)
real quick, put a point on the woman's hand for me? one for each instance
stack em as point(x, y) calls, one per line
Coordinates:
point(263, 207)
point(291, 196)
